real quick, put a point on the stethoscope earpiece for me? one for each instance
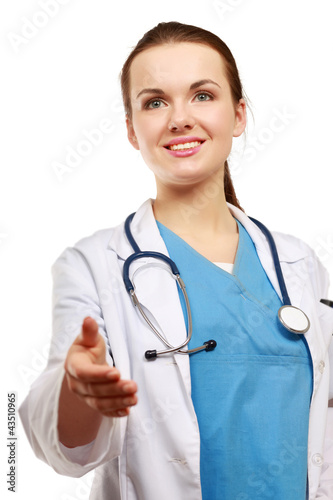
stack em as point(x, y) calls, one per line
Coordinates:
point(207, 346)
point(210, 345)
point(151, 355)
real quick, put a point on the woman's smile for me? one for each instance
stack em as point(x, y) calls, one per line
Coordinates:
point(184, 146)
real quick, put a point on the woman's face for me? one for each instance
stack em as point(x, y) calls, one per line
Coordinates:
point(180, 93)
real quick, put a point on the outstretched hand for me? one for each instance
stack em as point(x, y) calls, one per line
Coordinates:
point(90, 377)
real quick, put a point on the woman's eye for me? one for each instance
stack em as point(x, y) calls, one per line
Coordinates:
point(153, 104)
point(158, 103)
point(203, 96)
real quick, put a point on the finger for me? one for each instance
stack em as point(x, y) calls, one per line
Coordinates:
point(106, 405)
point(89, 333)
point(122, 412)
point(84, 370)
point(120, 388)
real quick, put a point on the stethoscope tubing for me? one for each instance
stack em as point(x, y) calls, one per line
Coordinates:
point(171, 348)
point(285, 297)
point(139, 254)
point(210, 344)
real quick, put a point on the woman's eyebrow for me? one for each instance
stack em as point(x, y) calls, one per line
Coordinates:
point(202, 82)
point(193, 86)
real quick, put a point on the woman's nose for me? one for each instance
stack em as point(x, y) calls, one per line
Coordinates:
point(180, 119)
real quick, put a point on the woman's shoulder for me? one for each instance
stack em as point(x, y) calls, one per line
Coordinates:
point(298, 253)
point(101, 237)
point(88, 249)
point(291, 248)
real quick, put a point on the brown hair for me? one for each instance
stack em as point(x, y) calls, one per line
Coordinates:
point(174, 32)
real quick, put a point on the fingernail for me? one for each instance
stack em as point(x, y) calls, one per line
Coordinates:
point(128, 401)
point(121, 413)
point(128, 388)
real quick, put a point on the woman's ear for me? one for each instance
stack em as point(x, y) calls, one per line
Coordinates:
point(240, 121)
point(131, 134)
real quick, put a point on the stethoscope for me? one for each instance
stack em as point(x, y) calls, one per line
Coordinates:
point(291, 317)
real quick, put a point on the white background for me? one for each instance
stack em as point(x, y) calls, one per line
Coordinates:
point(64, 80)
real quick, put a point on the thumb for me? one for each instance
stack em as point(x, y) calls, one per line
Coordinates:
point(89, 333)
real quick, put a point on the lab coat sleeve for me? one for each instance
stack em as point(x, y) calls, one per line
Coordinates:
point(74, 298)
point(325, 490)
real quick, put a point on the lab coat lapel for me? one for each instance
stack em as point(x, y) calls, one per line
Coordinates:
point(260, 243)
point(154, 286)
point(288, 253)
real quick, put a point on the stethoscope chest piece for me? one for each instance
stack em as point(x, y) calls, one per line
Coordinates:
point(295, 320)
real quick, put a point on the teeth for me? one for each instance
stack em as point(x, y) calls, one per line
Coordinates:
point(187, 145)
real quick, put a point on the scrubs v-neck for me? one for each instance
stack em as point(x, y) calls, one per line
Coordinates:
point(252, 393)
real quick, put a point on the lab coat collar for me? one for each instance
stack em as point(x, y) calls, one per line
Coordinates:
point(144, 230)
point(289, 249)
point(147, 236)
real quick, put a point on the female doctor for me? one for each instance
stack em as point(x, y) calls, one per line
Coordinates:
point(246, 419)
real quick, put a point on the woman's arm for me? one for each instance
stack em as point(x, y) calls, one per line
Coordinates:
point(90, 390)
point(52, 408)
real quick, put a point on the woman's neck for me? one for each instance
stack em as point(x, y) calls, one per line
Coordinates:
point(199, 212)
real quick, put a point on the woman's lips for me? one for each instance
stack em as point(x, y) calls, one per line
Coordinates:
point(181, 153)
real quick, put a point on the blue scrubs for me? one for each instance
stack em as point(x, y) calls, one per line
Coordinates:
point(252, 393)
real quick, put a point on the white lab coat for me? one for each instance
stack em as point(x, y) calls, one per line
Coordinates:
point(154, 453)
